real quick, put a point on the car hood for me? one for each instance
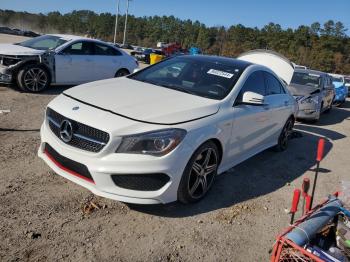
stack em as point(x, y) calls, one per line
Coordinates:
point(280, 65)
point(301, 90)
point(10, 49)
point(144, 102)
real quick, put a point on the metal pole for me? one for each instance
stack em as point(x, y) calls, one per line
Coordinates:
point(116, 23)
point(126, 20)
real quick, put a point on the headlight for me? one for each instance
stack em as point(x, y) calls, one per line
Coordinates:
point(309, 100)
point(156, 143)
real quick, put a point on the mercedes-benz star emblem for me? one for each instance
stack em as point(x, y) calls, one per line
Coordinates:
point(66, 131)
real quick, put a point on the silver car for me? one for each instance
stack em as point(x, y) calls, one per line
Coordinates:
point(314, 92)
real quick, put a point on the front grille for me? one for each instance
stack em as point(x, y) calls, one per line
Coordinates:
point(68, 165)
point(84, 137)
point(141, 182)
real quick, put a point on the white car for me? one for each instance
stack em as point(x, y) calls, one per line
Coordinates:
point(163, 133)
point(61, 60)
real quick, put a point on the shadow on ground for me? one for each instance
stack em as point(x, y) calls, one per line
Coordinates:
point(258, 176)
point(52, 90)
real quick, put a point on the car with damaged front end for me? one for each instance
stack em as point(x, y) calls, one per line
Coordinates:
point(314, 92)
point(37, 63)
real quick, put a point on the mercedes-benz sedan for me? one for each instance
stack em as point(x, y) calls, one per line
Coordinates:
point(163, 133)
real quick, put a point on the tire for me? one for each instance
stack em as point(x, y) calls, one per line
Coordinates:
point(33, 78)
point(122, 72)
point(199, 174)
point(328, 110)
point(285, 135)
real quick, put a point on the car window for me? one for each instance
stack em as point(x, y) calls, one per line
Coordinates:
point(307, 79)
point(194, 75)
point(79, 48)
point(44, 42)
point(172, 70)
point(101, 49)
point(255, 83)
point(273, 86)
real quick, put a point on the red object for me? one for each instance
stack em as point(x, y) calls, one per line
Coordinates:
point(285, 250)
point(66, 169)
point(307, 204)
point(305, 186)
point(170, 49)
point(296, 197)
point(320, 149)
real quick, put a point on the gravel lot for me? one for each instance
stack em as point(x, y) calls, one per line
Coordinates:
point(45, 217)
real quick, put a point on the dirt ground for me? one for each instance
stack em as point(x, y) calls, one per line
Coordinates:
point(44, 217)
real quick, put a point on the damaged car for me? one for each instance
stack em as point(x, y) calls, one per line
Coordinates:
point(314, 92)
point(37, 63)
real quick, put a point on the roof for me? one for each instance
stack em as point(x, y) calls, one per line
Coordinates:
point(70, 37)
point(309, 71)
point(220, 60)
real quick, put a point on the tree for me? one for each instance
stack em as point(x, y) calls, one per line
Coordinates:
point(325, 48)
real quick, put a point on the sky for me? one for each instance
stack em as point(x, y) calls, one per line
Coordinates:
point(250, 13)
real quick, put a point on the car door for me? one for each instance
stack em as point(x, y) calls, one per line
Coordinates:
point(279, 104)
point(107, 61)
point(327, 91)
point(250, 122)
point(74, 64)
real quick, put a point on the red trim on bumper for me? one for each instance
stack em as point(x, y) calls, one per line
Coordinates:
point(66, 169)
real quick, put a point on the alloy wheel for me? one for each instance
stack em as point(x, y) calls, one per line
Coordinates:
point(202, 173)
point(35, 79)
point(286, 134)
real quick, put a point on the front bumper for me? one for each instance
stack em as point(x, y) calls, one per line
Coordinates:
point(308, 111)
point(5, 75)
point(102, 166)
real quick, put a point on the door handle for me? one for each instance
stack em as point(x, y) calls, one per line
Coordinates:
point(266, 107)
point(286, 103)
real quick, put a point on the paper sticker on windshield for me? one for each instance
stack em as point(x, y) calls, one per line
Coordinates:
point(220, 73)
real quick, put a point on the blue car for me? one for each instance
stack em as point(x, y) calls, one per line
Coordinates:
point(341, 90)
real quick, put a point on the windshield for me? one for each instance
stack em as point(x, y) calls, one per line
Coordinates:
point(337, 79)
point(306, 79)
point(44, 42)
point(198, 77)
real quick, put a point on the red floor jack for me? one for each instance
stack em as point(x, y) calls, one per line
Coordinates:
point(307, 199)
point(284, 249)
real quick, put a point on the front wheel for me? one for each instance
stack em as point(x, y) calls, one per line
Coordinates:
point(329, 108)
point(199, 173)
point(122, 72)
point(33, 78)
point(285, 136)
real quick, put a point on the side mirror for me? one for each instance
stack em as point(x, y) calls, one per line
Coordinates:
point(251, 98)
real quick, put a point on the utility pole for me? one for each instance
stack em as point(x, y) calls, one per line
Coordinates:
point(126, 20)
point(116, 22)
